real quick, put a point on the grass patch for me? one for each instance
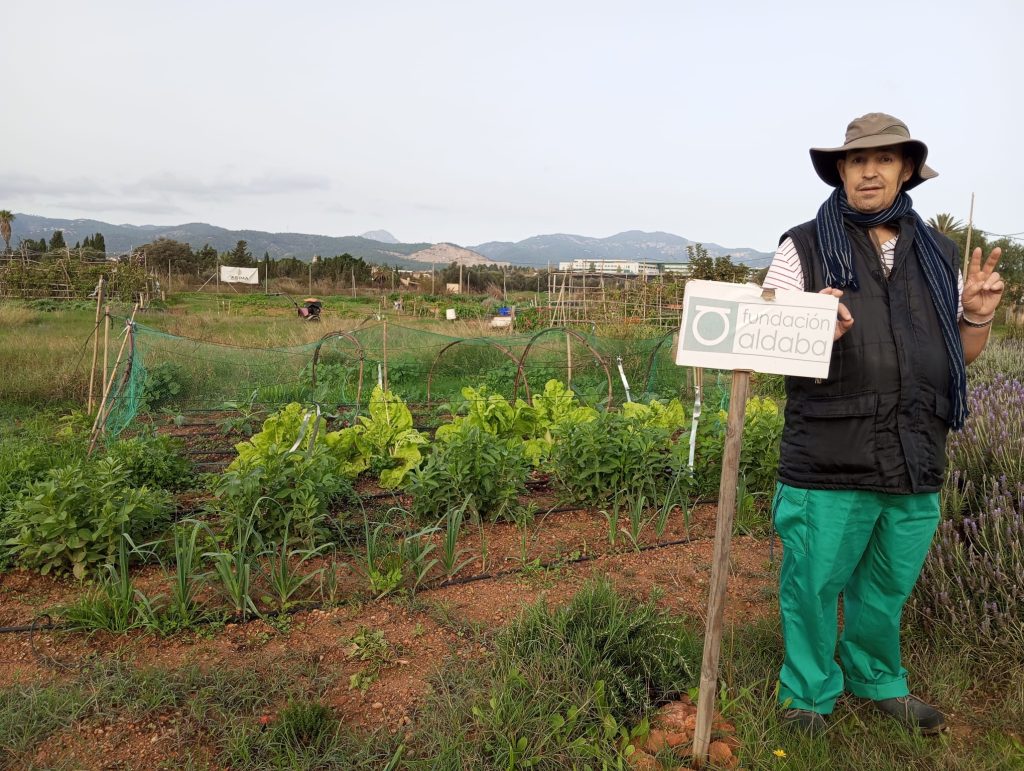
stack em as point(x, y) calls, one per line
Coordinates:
point(982, 697)
point(564, 688)
point(218, 713)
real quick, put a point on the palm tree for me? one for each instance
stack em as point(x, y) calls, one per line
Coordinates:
point(946, 224)
point(5, 228)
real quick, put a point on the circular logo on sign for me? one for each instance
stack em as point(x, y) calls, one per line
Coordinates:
point(710, 324)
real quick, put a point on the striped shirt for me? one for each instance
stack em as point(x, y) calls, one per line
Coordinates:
point(786, 272)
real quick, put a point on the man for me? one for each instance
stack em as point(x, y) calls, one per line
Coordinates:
point(863, 451)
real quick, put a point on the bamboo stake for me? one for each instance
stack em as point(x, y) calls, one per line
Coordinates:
point(106, 340)
point(568, 359)
point(97, 425)
point(385, 377)
point(95, 341)
point(720, 564)
point(967, 243)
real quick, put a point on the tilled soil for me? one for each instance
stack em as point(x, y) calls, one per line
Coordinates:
point(439, 627)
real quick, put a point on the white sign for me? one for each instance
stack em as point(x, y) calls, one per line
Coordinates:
point(239, 275)
point(730, 326)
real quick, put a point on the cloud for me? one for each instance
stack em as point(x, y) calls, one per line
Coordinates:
point(156, 192)
point(270, 183)
point(15, 184)
point(121, 205)
point(337, 208)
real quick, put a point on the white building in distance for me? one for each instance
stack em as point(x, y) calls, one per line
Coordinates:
point(624, 267)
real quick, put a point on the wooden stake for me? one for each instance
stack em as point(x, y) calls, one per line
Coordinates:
point(97, 425)
point(106, 339)
point(385, 377)
point(720, 564)
point(967, 243)
point(568, 359)
point(95, 341)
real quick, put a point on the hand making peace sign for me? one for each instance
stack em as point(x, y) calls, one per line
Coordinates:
point(983, 288)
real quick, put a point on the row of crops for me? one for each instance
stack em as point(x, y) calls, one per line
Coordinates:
point(392, 500)
point(307, 492)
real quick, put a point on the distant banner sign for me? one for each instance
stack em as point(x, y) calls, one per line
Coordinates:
point(239, 275)
point(730, 326)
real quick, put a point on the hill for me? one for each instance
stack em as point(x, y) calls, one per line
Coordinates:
point(629, 245)
point(384, 249)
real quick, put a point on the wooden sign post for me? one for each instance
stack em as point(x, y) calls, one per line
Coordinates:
point(739, 328)
point(720, 562)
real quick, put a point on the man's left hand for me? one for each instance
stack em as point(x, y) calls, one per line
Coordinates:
point(983, 287)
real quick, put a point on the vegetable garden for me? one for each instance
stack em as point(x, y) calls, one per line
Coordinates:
point(391, 549)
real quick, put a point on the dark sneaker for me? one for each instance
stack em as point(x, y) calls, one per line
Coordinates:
point(913, 713)
point(810, 723)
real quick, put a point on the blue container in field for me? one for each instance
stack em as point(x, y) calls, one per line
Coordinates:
point(504, 311)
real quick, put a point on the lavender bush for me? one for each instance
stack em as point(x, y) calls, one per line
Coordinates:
point(972, 584)
point(990, 444)
point(1003, 357)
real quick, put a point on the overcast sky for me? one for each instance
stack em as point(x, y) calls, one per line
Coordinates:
point(477, 121)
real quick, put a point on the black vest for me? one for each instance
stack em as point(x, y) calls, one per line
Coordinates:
point(879, 421)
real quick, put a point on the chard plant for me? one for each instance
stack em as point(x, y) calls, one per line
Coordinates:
point(470, 463)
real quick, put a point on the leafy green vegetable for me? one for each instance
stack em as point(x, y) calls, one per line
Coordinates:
point(72, 519)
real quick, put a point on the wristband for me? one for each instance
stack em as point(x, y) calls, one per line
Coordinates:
point(977, 324)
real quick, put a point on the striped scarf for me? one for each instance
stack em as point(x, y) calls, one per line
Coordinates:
point(837, 256)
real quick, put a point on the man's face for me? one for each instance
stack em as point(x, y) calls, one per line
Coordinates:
point(873, 178)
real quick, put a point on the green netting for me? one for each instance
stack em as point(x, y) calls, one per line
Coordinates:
point(180, 374)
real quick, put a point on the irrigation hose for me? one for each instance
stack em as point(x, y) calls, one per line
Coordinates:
point(369, 597)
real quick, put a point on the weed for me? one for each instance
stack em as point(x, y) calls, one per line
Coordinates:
point(372, 649)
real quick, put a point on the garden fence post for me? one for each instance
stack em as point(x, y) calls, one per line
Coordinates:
point(101, 413)
point(95, 340)
point(720, 564)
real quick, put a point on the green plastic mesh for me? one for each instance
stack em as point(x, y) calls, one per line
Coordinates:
point(178, 374)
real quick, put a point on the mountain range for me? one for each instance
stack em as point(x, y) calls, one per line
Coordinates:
point(380, 246)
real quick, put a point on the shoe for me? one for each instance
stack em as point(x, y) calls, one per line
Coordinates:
point(810, 723)
point(913, 713)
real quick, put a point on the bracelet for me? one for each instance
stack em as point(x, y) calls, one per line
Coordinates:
point(977, 324)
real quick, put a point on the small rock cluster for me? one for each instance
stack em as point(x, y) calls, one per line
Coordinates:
point(672, 729)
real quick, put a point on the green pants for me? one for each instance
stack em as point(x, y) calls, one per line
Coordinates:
point(868, 546)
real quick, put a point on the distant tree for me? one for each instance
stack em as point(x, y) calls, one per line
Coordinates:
point(206, 259)
point(6, 218)
point(167, 251)
point(95, 243)
point(57, 241)
point(945, 224)
point(702, 265)
point(240, 256)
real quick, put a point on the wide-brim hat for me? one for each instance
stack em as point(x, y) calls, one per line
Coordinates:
point(876, 129)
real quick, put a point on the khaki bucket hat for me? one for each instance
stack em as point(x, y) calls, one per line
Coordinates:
point(876, 129)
